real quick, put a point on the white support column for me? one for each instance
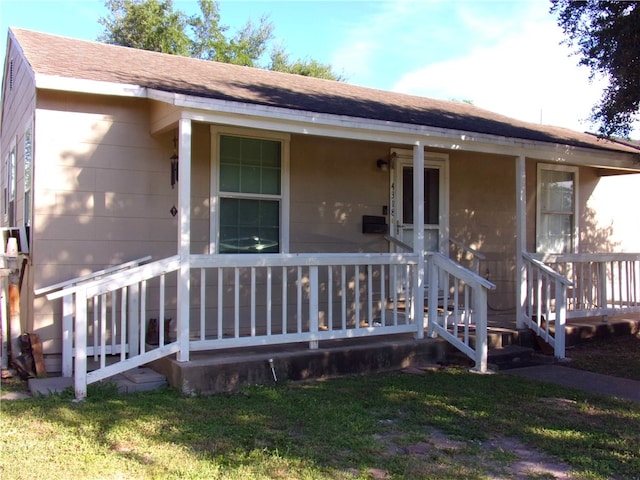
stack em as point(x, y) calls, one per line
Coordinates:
point(184, 237)
point(521, 238)
point(418, 237)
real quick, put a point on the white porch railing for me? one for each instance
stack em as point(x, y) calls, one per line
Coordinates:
point(247, 300)
point(602, 284)
point(544, 307)
point(64, 290)
point(457, 307)
point(275, 299)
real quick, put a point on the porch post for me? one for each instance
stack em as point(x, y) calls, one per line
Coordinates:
point(418, 237)
point(521, 238)
point(184, 236)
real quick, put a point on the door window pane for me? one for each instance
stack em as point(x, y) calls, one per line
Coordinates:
point(431, 196)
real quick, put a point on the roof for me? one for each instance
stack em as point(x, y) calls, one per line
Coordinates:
point(79, 59)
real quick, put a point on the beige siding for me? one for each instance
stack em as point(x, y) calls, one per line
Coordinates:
point(333, 184)
point(103, 193)
point(18, 101)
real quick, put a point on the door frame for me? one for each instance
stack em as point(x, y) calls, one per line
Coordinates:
point(403, 157)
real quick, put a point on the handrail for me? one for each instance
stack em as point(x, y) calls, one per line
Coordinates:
point(461, 309)
point(464, 274)
point(547, 270)
point(585, 257)
point(468, 249)
point(88, 277)
point(398, 243)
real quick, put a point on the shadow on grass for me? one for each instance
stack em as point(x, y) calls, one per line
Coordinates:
point(332, 429)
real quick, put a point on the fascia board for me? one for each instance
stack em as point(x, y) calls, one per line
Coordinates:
point(312, 123)
point(79, 85)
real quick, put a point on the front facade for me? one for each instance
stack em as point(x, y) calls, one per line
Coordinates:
point(270, 178)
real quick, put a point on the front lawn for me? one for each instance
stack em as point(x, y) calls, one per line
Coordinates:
point(443, 424)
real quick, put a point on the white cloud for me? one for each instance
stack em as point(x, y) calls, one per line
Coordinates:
point(527, 75)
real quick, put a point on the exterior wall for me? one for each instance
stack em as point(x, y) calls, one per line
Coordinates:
point(333, 184)
point(609, 222)
point(103, 194)
point(200, 187)
point(482, 216)
point(18, 106)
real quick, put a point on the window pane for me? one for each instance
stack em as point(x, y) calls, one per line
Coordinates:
point(557, 191)
point(250, 165)
point(271, 181)
point(249, 226)
point(558, 233)
point(431, 196)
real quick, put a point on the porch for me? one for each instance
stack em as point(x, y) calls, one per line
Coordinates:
point(335, 313)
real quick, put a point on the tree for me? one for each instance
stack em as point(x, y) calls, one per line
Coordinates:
point(155, 25)
point(308, 67)
point(607, 36)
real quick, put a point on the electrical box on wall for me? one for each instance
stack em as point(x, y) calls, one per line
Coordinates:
point(374, 224)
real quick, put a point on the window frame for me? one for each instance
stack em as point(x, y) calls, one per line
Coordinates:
point(28, 175)
point(10, 185)
point(214, 215)
point(542, 237)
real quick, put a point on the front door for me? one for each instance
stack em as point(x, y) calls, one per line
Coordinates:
point(436, 195)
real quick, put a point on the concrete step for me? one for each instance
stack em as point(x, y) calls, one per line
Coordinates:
point(136, 380)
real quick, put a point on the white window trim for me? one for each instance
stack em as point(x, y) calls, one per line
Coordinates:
point(558, 168)
point(214, 211)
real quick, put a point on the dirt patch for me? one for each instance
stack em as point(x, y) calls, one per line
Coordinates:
point(436, 454)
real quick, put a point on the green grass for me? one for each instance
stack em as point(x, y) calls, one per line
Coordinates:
point(355, 427)
point(618, 356)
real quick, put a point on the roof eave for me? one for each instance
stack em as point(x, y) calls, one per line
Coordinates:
point(313, 123)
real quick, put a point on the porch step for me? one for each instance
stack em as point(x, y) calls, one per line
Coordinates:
point(228, 370)
point(135, 380)
point(600, 328)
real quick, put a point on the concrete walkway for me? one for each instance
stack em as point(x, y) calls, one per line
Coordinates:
point(581, 380)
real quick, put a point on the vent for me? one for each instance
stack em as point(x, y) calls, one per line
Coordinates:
point(11, 75)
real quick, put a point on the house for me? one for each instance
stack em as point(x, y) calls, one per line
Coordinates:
point(252, 207)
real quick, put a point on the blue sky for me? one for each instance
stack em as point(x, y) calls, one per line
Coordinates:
point(505, 56)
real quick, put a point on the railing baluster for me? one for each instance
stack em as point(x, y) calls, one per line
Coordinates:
point(329, 322)
point(299, 302)
point(394, 289)
point(203, 302)
point(103, 330)
point(383, 296)
point(113, 322)
point(143, 316)
point(253, 302)
point(162, 314)
point(123, 323)
point(236, 302)
point(268, 301)
point(220, 301)
point(285, 299)
point(95, 305)
point(343, 279)
point(370, 295)
point(356, 294)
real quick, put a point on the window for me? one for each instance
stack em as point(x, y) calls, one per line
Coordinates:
point(556, 209)
point(9, 188)
point(28, 175)
point(250, 192)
